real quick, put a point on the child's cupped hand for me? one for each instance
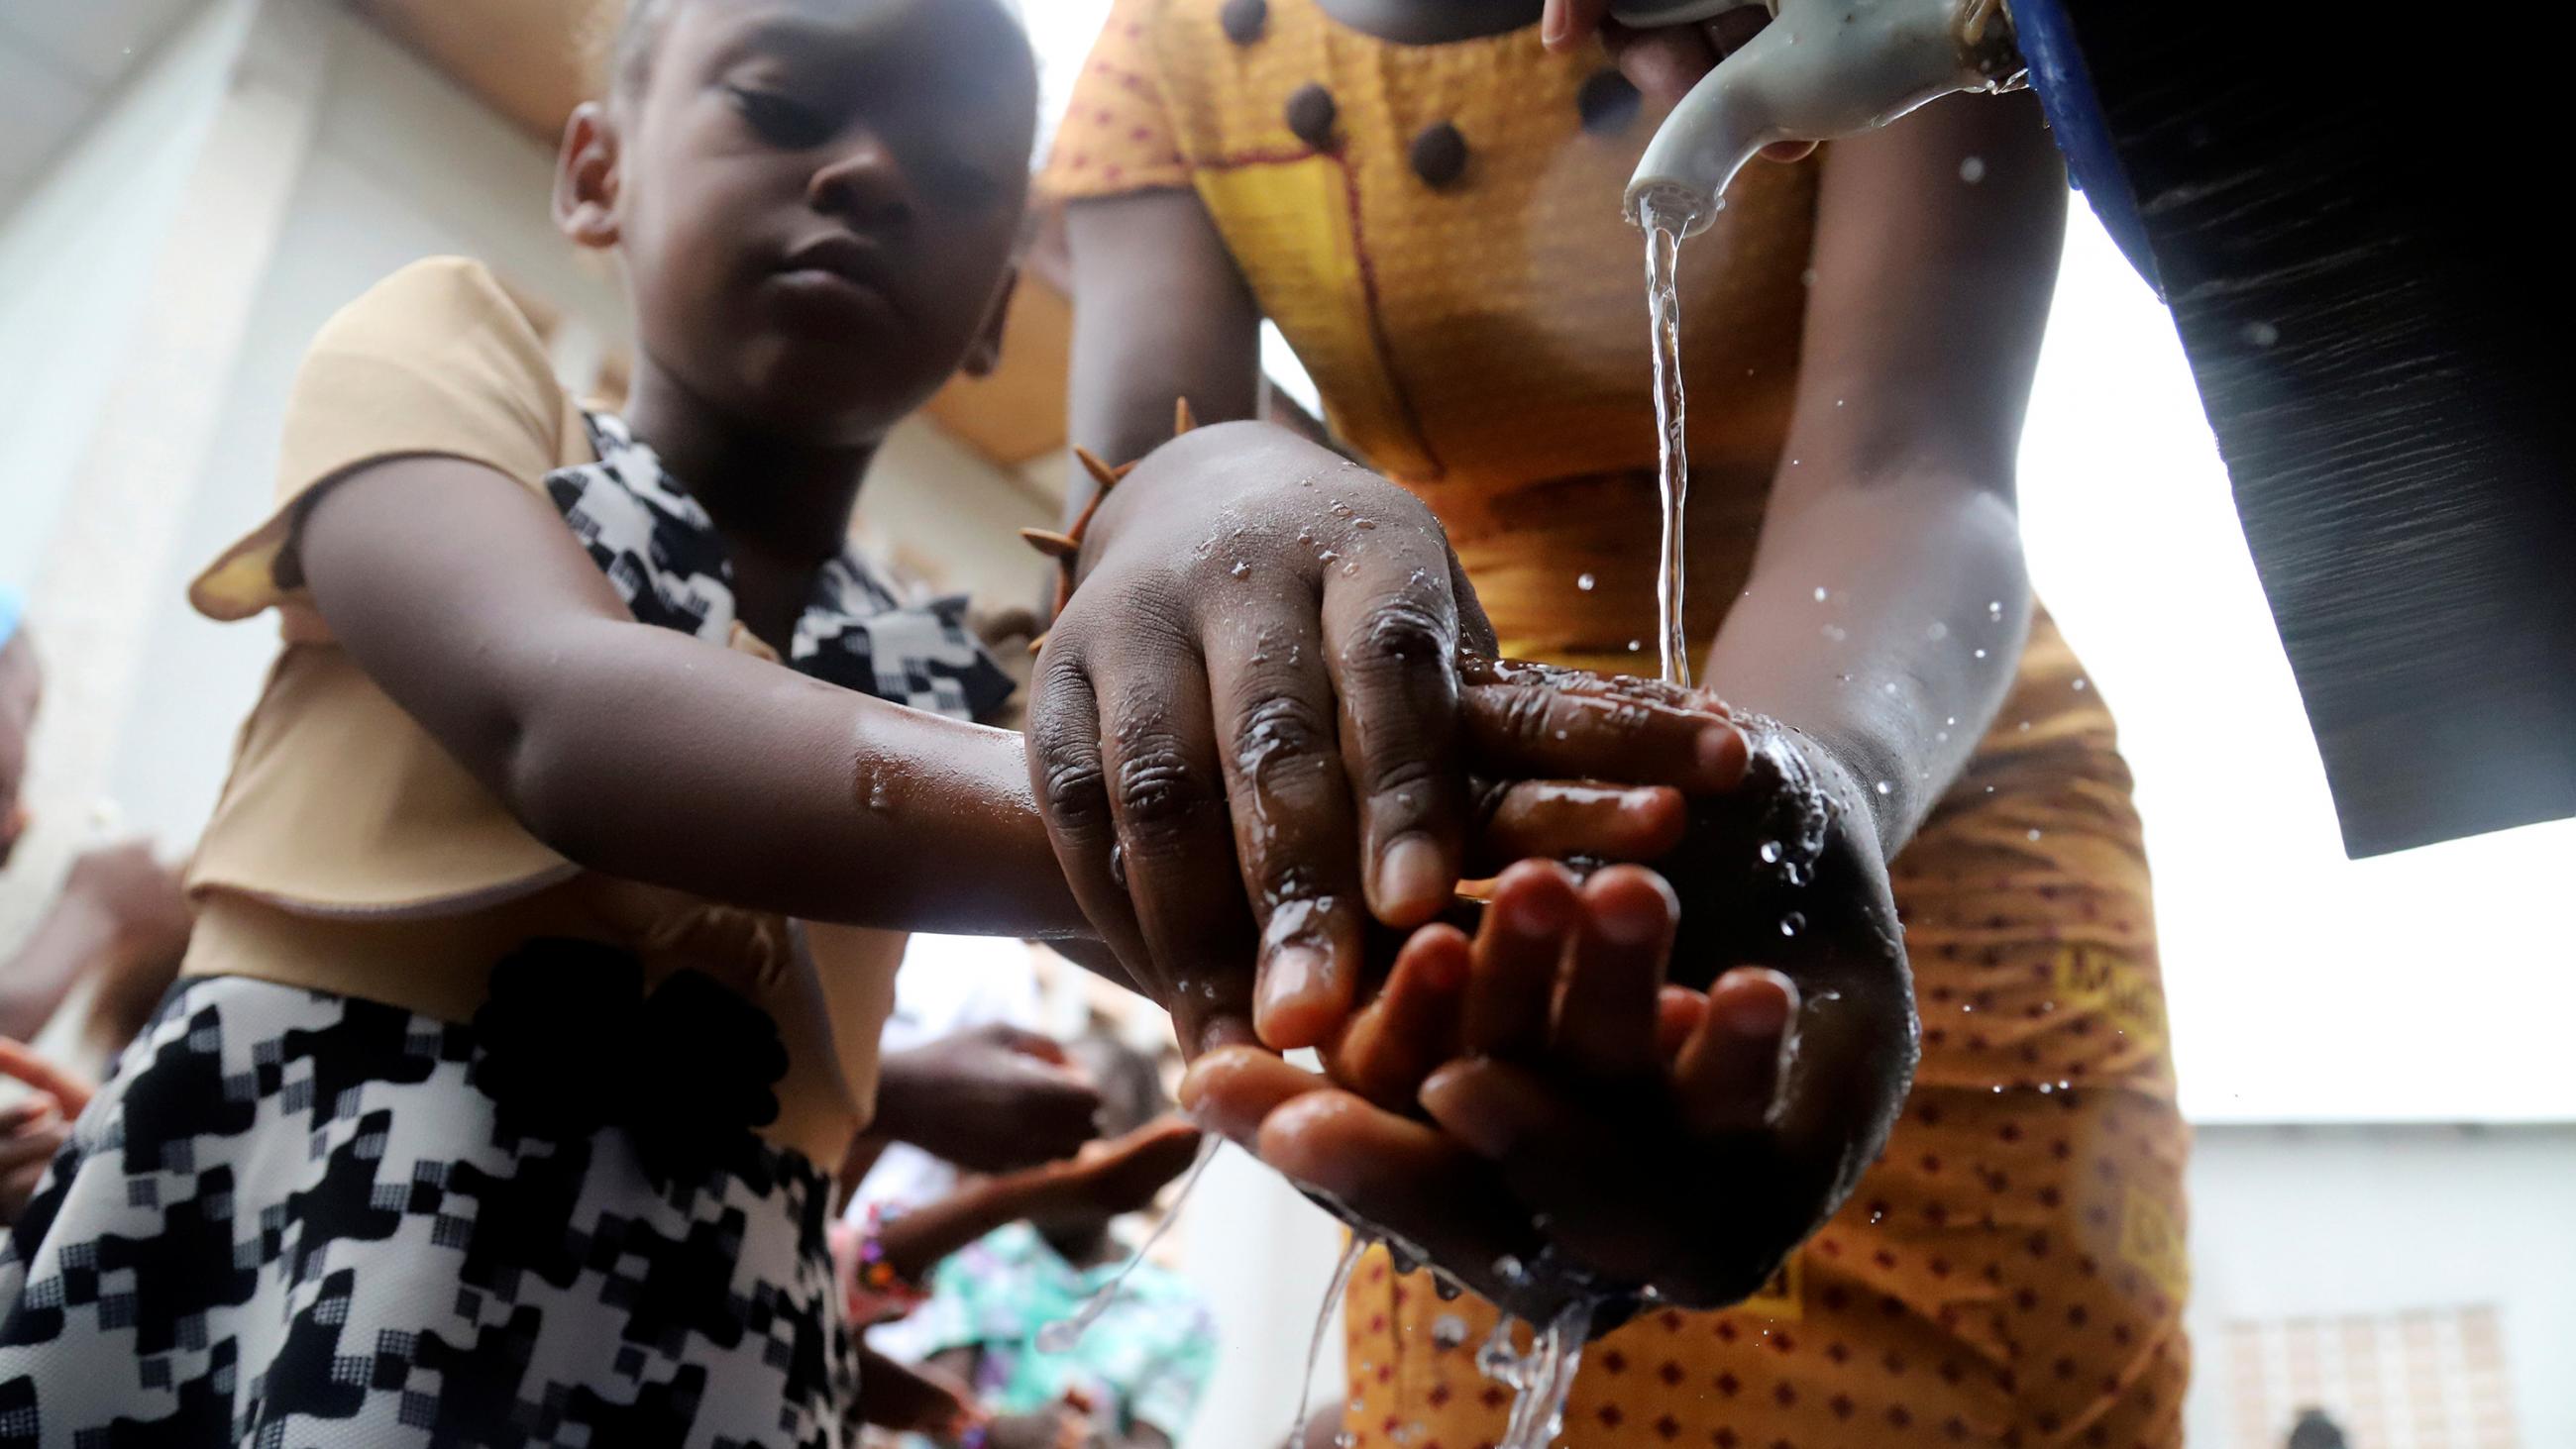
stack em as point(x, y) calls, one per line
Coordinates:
point(1545, 1113)
point(1537, 1109)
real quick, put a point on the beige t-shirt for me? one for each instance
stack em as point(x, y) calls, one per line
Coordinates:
point(350, 853)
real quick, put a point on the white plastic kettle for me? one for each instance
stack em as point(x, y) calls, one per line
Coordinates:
point(1821, 69)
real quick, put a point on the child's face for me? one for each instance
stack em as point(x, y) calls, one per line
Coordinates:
point(818, 201)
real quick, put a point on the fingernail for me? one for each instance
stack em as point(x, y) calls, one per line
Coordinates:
point(1628, 923)
point(1552, 30)
point(1533, 916)
point(1412, 881)
point(1293, 972)
point(1752, 1011)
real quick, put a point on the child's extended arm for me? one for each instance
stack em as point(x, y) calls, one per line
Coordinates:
point(1116, 1176)
point(645, 754)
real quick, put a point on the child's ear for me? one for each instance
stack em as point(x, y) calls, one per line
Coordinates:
point(587, 177)
point(986, 353)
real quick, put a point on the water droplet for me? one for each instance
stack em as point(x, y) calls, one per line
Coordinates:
point(1770, 852)
point(1940, 737)
point(1635, 645)
point(1952, 721)
point(1973, 170)
point(1884, 788)
point(2045, 1089)
point(1449, 1330)
point(1821, 594)
point(2262, 334)
point(1807, 278)
point(1994, 608)
point(1878, 1215)
point(1792, 923)
point(1981, 654)
point(1585, 582)
point(2034, 834)
point(1240, 568)
point(1937, 632)
point(1511, 1270)
point(1890, 686)
point(1838, 402)
point(1118, 865)
point(1837, 633)
point(2079, 686)
point(1560, 734)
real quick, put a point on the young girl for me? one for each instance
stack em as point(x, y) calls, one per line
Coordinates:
point(475, 1120)
point(489, 1107)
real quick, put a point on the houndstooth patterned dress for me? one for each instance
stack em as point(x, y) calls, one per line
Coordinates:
point(302, 1221)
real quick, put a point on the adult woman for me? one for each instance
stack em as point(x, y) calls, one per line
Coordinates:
point(1424, 196)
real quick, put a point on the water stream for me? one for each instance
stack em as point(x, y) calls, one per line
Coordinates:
point(1061, 1335)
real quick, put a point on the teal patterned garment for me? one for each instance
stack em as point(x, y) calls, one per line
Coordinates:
point(1145, 1360)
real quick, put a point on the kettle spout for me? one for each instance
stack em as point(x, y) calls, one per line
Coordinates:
point(1821, 69)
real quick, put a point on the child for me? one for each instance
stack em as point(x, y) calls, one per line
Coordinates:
point(494, 780)
point(1135, 1375)
point(488, 1107)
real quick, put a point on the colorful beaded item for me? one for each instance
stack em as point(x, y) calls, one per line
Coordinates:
point(877, 1277)
point(1066, 547)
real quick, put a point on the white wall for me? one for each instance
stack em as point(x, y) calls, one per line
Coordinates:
point(404, 166)
point(2291, 970)
point(2330, 1221)
point(74, 260)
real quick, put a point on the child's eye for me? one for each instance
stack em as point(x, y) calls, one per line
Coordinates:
point(780, 121)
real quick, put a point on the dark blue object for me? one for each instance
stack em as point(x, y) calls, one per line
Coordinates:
point(2065, 86)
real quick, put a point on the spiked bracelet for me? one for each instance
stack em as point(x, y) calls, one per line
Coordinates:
point(1066, 547)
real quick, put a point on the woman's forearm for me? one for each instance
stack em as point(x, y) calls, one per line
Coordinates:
point(1886, 621)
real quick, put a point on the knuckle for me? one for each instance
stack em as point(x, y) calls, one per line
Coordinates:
point(1407, 635)
point(1279, 731)
point(1406, 781)
point(1158, 794)
point(1292, 890)
point(1076, 796)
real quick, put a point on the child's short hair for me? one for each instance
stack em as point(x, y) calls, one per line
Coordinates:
point(623, 32)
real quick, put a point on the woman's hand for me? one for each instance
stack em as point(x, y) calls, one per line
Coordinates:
point(1665, 62)
point(1248, 732)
